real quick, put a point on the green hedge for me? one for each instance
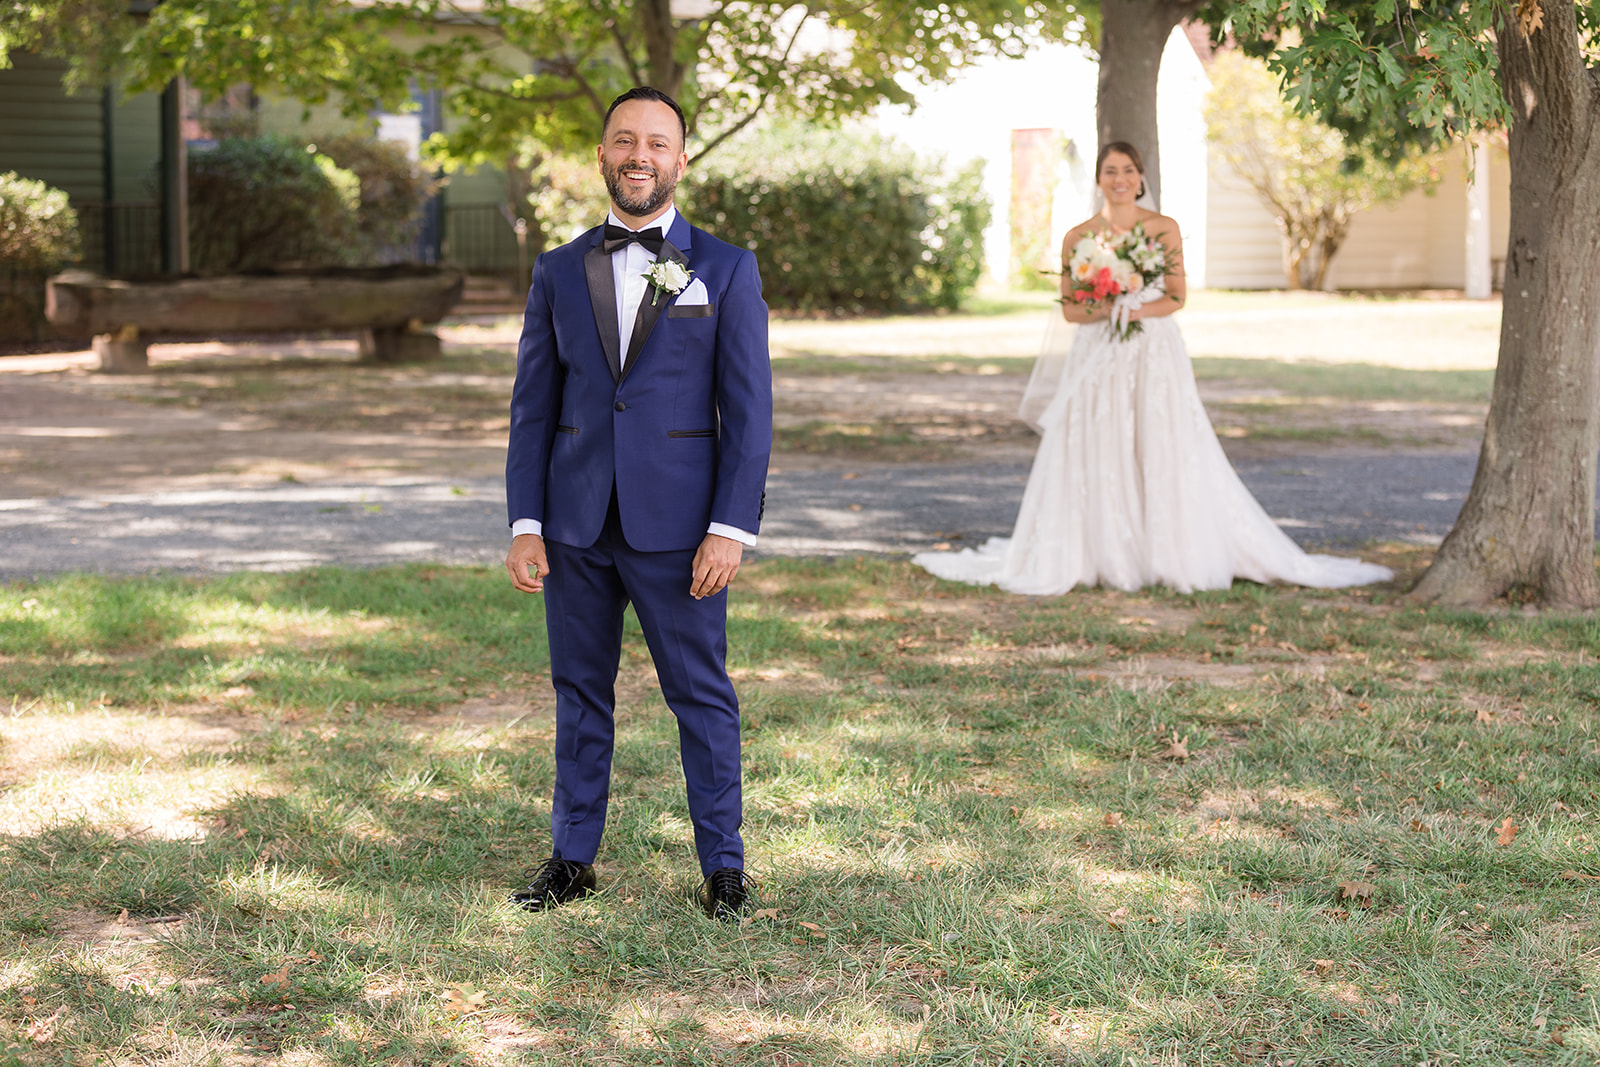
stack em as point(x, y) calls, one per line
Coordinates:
point(844, 222)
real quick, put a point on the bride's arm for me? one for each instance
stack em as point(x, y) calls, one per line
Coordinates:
point(1176, 286)
point(1081, 314)
point(1071, 310)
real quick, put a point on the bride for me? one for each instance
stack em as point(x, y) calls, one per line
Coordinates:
point(1129, 487)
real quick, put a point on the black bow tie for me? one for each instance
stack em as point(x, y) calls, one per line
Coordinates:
point(621, 237)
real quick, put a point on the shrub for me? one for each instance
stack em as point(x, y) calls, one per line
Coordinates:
point(844, 222)
point(393, 190)
point(270, 202)
point(38, 234)
point(38, 230)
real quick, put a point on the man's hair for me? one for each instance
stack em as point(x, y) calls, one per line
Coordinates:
point(644, 92)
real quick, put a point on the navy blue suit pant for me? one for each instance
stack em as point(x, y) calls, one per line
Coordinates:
point(585, 595)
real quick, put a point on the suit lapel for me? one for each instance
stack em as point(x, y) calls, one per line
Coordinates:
point(603, 298)
point(644, 323)
point(649, 312)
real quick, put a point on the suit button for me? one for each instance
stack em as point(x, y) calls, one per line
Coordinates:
point(621, 406)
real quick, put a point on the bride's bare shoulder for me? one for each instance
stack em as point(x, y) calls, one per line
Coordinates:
point(1159, 225)
point(1082, 229)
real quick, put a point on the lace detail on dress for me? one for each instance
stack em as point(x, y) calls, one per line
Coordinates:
point(1130, 486)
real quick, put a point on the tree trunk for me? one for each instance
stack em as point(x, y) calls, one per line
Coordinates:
point(1527, 526)
point(660, 42)
point(1297, 245)
point(1133, 35)
point(1333, 228)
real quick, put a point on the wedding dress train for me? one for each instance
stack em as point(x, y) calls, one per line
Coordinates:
point(1130, 486)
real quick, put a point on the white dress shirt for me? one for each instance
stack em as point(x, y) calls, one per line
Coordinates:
point(628, 266)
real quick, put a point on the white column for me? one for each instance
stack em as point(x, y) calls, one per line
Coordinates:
point(1479, 269)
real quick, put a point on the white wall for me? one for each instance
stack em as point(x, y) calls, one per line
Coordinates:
point(972, 117)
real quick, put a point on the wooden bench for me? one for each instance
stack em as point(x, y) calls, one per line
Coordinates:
point(390, 306)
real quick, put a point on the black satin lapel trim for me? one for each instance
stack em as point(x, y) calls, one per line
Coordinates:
point(648, 312)
point(603, 298)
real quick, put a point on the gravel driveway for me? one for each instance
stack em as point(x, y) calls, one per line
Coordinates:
point(1327, 501)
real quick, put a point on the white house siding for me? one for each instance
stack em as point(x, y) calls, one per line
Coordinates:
point(1244, 249)
point(1447, 214)
point(1417, 243)
point(136, 141)
point(47, 135)
point(1388, 248)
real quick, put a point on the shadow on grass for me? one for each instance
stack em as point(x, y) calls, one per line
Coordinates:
point(1352, 381)
point(972, 845)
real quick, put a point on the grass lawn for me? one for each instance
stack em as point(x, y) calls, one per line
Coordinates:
point(273, 818)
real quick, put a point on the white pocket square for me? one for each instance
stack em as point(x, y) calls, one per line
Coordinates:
point(694, 295)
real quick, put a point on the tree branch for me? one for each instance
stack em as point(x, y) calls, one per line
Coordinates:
point(730, 131)
point(626, 48)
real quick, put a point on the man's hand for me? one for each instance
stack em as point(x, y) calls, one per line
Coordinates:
point(528, 565)
point(715, 564)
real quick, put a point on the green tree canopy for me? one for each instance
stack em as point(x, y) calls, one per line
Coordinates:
point(546, 69)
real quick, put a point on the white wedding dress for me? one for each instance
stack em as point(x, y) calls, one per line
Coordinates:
point(1130, 487)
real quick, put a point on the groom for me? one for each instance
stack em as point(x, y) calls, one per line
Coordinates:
point(641, 424)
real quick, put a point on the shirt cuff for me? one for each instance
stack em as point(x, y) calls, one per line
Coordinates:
point(527, 526)
point(724, 530)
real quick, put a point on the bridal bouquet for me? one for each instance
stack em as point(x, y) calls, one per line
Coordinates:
point(1123, 268)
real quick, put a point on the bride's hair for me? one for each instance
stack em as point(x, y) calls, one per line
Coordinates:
point(1126, 149)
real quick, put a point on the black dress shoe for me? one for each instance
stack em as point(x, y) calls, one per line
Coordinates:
point(557, 882)
point(724, 894)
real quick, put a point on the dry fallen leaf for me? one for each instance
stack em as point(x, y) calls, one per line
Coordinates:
point(816, 931)
point(1420, 827)
point(1177, 748)
point(1117, 918)
point(1530, 16)
point(1351, 889)
point(1322, 967)
point(1506, 832)
point(42, 1030)
point(1579, 876)
point(764, 913)
point(278, 977)
point(1113, 818)
point(463, 1000)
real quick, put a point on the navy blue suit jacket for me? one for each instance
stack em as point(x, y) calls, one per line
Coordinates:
point(682, 428)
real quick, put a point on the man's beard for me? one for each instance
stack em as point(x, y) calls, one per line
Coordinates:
point(636, 205)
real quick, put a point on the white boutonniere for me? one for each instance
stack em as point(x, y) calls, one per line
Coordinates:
point(667, 276)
